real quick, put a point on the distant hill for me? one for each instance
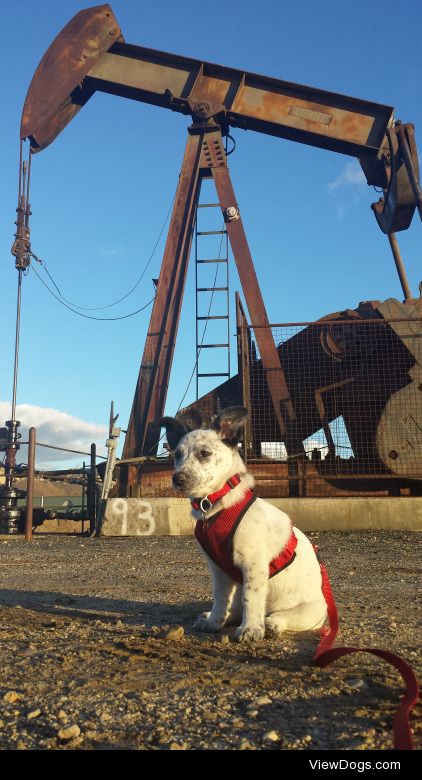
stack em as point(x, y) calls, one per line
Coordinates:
point(50, 487)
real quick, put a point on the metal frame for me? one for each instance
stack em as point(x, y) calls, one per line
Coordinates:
point(204, 151)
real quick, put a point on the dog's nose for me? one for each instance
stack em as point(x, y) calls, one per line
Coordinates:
point(179, 479)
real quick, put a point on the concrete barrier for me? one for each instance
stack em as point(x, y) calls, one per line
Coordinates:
point(171, 516)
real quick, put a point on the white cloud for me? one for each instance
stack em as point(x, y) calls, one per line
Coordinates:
point(55, 428)
point(351, 175)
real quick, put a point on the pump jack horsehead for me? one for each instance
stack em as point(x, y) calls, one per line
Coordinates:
point(266, 576)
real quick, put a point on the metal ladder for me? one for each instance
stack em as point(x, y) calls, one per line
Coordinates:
point(203, 317)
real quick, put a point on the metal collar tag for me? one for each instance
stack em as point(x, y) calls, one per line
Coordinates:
point(205, 505)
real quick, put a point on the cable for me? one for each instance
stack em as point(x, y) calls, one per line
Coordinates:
point(109, 305)
point(88, 316)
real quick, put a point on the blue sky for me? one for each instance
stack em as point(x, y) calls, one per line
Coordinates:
point(101, 192)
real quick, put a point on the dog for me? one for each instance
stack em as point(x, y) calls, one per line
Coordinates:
point(265, 573)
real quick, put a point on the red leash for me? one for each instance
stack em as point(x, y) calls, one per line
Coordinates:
point(325, 654)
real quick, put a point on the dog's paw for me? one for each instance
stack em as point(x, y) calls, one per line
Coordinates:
point(205, 623)
point(249, 633)
point(274, 628)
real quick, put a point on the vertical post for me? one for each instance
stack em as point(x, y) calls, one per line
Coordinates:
point(30, 486)
point(243, 366)
point(400, 267)
point(91, 490)
point(83, 495)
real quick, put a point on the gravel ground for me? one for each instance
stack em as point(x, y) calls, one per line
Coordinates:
point(98, 650)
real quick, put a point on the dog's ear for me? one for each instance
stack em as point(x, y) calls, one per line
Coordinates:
point(191, 418)
point(175, 429)
point(178, 426)
point(229, 424)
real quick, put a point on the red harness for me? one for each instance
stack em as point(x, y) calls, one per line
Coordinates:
point(216, 537)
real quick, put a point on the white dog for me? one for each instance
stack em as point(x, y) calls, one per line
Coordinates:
point(266, 576)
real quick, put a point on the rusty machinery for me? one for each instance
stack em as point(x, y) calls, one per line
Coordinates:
point(89, 55)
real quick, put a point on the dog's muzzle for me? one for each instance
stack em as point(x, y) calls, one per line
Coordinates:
point(179, 480)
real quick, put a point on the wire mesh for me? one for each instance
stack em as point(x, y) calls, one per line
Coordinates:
point(352, 424)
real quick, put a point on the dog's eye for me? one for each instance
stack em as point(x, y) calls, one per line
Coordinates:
point(205, 454)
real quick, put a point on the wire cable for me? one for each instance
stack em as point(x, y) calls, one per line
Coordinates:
point(119, 300)
point(88, 316)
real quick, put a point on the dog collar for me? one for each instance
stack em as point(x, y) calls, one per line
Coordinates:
point(207, 503)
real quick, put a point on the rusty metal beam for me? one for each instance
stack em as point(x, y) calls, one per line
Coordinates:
point(90, 54)
point(270, 358)
point(150, 395)
point(251, 102)
point(204, 156)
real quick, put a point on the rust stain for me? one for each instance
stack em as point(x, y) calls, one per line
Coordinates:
point(211, 90)
point(310, 116)
point(48, 107)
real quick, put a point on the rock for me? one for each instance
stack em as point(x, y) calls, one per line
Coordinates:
point(61, 715)
point(271, 736)
point(224, 639)
point(209, 715)
point(175, 746)
point(11, 696)
point(33, 714)
point(175, 634)
point(358, 684)
point(261, 702)
point(69, 733)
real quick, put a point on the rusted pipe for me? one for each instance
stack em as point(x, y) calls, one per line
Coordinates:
point(91, 490)
point(30, 486)
point(399, 265)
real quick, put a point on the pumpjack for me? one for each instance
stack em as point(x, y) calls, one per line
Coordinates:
point(90, 55)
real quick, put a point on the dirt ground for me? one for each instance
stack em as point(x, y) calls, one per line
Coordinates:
point(87, 662)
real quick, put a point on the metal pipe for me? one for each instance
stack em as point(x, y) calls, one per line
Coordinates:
point(16, 364)
point(91, 494)
point(400, 266)
point(30, 486)
point(83, 496)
